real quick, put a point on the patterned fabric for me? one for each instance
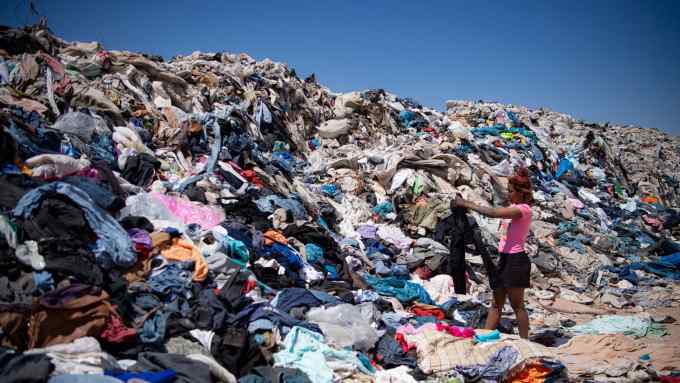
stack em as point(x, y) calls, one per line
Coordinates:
point(441, 352)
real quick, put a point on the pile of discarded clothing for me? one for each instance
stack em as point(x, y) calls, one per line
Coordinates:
point(214, 218)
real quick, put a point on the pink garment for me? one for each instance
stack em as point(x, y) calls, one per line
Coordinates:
point(459, 332)
point(408, 329)
point(191, 212)
point(514, 232)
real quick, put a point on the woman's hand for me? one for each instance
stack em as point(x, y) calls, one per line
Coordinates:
point(493, 212)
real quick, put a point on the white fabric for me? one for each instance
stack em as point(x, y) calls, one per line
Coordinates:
point(82, 356)
point(440, 287)
point(55, 165)
point(395, 375)
point(394, 235)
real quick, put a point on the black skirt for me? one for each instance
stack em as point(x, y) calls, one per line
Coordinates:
point(513, 270)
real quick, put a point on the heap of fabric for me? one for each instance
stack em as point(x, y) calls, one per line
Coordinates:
point(213, 218)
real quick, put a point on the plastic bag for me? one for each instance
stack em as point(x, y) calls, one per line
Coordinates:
point(79, 124)
point(145, 205)
point(346, 325)
point(191, 212)
point(459, 131)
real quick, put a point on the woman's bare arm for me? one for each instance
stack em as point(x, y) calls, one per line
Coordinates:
point(493, 212)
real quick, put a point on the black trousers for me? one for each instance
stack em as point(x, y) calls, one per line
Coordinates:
point(463, 231)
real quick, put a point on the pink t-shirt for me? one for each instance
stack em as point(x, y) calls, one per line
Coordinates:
point(514, 232)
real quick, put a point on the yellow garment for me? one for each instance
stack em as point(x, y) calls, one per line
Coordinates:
point(507, 135)
point(184, 251)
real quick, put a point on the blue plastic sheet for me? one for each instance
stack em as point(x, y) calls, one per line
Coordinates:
point(564, 166)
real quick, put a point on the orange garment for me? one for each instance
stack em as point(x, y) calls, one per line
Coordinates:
point(650, 199)
point(533, 372)
point(184, 251)
point(271, 236)
point(423, 310)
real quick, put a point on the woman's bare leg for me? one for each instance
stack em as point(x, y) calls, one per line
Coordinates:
point(494, 315)
point(516, 296)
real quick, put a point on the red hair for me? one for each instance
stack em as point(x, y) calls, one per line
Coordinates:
point(521, 183)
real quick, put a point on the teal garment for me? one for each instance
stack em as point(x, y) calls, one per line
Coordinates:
point(490, 337)
point(404, 291)
point(307, 351)
point(236, 249)
point(366, 362)
point(279, 146)
point(383, 209)
point(314, 253)
point(494, 130)
point(616, 324)
point(244, 266)
point(497, 129)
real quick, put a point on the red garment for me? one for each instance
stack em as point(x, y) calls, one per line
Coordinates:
point(421, 312)
point(669, 379)
point(653, 222)
point(432, 131)
point(249, 286)
point(253, 178)
point(116, 332)
point(402, 342)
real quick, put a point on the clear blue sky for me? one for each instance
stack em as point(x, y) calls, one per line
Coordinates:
point(615, 61)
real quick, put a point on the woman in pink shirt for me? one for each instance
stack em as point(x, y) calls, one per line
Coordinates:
point(514, 268)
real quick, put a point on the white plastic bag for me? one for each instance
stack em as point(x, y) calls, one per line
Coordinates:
point(346, 325)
